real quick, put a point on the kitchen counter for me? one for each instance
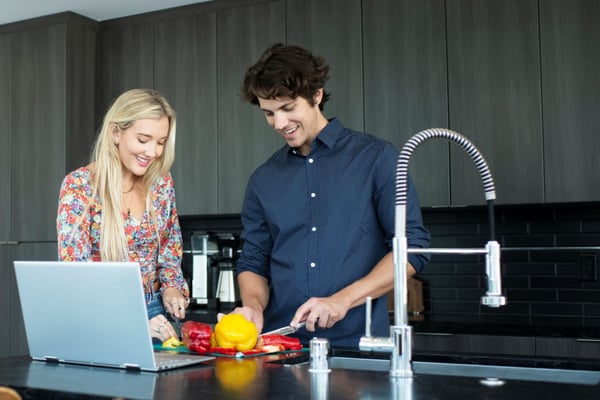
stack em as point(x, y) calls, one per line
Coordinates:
point(266, 377)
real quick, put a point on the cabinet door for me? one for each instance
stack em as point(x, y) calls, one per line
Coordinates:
point(494, 98)
point(38, 130)
point(338, 40)
point(186, 74)
point(125, 61)
point(23, 251)
point(245, 140)
point(405, 85)
point(5, 134)
point(571, 96)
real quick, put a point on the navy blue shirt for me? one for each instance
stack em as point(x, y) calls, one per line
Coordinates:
point(314, 224)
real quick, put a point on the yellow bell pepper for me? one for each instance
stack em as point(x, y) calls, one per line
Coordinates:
point(235, 331)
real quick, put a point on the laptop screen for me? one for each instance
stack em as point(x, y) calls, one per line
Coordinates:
point(85, 312)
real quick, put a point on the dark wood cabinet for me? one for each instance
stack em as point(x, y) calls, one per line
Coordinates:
point(568, 347)
point(570, 61)
point(186, 74)
point(6, 87)
point(245, 140)
point(474, 344)
point(125, 61)
point(494, 87)
point(338, 40)
point(46, 123)
point(12, 331)
point(405, 87)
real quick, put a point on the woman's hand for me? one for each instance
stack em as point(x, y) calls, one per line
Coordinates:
point(175, 303)
point(161, 329)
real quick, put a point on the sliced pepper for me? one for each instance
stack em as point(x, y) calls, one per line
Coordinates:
point(235, 331)
point(196, 336)
point(172, 343)
point(273, 339)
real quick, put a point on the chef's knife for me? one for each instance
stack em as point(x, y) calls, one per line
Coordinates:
point(286, 330)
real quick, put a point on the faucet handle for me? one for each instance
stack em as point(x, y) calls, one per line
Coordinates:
point(368, 312)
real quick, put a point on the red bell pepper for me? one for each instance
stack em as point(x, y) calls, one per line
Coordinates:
point(289, 343)
point(196, 336)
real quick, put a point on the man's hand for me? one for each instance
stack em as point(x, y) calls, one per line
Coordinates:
point(323, 312)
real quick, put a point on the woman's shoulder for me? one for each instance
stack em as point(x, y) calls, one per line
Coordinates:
point(81, 178)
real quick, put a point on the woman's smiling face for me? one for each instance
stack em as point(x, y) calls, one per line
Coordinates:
point(141, 144)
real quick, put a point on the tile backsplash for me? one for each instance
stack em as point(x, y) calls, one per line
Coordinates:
point(550, 260)
point(550, 266)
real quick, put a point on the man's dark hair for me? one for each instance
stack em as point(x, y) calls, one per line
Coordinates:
point(286, 71)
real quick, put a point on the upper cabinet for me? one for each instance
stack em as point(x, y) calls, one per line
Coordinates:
point(125, 61)
point(516, 77)
point(494, 98)
point(245, 140)
point(186, 74)
point(47, 68)
point(339, 41)
point(6, 86)
point(404, 50)
point(570, 61)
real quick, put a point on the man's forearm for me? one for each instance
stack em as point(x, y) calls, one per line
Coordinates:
point(254, 290)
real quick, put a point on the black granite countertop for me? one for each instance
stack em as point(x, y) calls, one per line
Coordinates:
point(267, 378)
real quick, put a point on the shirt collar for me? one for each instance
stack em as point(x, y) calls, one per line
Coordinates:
point(328, 136)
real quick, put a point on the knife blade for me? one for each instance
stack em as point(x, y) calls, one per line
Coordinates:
point(286, 330)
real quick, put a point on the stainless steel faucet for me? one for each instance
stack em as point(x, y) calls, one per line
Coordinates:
point(399, 344)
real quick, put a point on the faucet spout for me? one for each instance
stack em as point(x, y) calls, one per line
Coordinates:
point(399, 344)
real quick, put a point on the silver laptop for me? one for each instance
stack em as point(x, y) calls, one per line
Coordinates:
point(90, 313)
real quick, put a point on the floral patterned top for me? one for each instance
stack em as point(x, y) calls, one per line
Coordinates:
point(81, 242)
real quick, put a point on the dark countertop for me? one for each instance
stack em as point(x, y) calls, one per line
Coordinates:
point(260, 378)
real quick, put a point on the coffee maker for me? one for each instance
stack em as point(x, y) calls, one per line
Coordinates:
point(227, 290)
point(213, 282)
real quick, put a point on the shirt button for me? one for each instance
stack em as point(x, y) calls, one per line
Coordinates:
point(313, 194)
point(314, 228)
point(310, 160)
point(312, 265)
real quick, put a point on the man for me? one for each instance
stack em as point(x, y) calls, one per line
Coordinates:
point(318, 215)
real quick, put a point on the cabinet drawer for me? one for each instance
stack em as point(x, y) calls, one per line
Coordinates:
point(568, 347)
point(474, 344)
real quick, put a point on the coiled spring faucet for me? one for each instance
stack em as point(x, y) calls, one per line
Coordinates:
point(399, 344)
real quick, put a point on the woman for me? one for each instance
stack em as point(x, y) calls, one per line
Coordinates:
point(121, 207)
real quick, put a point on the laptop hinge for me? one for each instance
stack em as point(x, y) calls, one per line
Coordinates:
point(51, 359)
point(132, 367)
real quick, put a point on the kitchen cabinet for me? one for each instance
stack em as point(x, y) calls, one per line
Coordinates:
point(341, 49)
point(245, 138)
point(474, 344)
point(405, 87)
point(568, 347)
point(125, 61)
point(494, 87)
point(46, 125)
point(186, 74)
point(5, 128)
point(570, 61)
point(12, 330)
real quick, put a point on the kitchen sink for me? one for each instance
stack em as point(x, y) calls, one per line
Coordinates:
point(490, 374)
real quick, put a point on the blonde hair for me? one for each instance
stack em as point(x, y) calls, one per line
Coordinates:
point(129, 107)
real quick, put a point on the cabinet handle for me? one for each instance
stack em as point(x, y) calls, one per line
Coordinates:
point(587, 340)
point(434, 334)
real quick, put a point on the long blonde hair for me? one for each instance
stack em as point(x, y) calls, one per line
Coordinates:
point(129, 107)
